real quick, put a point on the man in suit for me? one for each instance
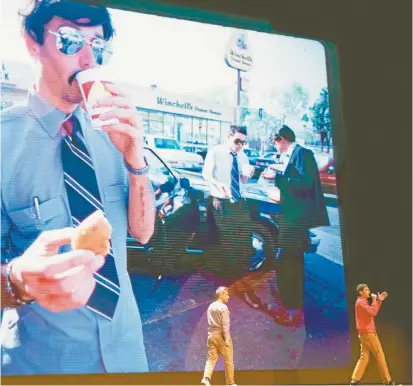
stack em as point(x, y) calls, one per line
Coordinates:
point(301, 208)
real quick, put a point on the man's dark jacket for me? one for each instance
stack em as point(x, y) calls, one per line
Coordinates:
point(302, 200)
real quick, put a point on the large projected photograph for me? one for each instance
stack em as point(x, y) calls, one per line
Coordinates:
point(148, 161)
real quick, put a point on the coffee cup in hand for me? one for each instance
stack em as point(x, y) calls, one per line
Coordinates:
point(92, 87)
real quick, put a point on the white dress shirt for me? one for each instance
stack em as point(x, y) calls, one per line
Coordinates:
point(285, 158)
point(218, 167)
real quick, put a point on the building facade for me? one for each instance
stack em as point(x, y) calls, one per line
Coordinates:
point(184, 117)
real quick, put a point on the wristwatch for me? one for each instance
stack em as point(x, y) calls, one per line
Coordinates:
point(11, 288)
point(137, 172)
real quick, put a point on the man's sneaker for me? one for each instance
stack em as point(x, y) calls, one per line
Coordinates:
point(206, 382)
point(354, 383)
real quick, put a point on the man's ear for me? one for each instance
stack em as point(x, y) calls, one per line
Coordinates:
point(32, 46)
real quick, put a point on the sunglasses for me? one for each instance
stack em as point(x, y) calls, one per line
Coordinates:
point(239, 142)
point(69, 41)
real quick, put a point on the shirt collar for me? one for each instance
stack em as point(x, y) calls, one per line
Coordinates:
point(290, 149)
point(50, 117)
point(287, 154)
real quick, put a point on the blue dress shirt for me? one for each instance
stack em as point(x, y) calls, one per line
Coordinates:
point(34, 340)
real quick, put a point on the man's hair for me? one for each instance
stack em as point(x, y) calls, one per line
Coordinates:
point(361, 287)
point(286, 133)
point(42, 11)
point(237, 129)
point(220, 291)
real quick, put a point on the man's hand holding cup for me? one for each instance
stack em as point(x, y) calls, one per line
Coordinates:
point(111, 110)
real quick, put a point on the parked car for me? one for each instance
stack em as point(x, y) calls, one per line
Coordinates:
point(252, 155)
point(326, 167)
point(196, 148)
point(173, 153)
point(185, 237)
point(262, 162)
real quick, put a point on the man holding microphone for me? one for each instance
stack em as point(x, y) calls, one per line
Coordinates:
point(369, 340)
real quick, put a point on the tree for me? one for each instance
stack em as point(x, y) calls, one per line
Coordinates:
point(320, 117)
point(295, 100)
point(287, 103)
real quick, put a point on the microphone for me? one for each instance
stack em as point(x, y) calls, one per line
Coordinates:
point(370, 298)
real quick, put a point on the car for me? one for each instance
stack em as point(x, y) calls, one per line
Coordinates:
point(185, 237)
point(172, 152)
point(262, 162)
point(252, 155)
point(197, 148)
point(326, 167)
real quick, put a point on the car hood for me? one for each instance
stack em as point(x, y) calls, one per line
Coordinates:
point(179, 155)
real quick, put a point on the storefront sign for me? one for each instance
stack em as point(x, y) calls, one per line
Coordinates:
point(238, 54)
point(158, 100)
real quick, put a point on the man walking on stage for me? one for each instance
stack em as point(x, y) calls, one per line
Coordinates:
point(219, 338)
point(369, 340)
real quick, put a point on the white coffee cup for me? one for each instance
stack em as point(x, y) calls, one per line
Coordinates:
point(92, 86)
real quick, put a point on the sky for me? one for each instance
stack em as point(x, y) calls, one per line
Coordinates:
point(188, 57)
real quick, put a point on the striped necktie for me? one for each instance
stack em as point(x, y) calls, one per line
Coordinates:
point(84, 199)
point(235, 188)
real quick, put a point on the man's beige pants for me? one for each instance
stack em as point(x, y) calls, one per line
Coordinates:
point(370, 344)
point(216, 347)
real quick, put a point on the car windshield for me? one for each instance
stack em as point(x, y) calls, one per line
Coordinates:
point(167, 143)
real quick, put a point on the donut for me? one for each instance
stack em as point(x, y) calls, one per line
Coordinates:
point(93, 234)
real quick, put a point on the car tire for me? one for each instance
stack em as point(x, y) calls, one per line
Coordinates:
point(268, 235)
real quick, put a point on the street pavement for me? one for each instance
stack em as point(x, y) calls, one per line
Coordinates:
point(175, 325)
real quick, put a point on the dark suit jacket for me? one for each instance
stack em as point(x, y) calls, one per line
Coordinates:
point(302, 200)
